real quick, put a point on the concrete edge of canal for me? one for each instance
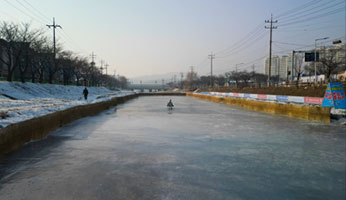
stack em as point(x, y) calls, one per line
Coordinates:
point(299, 111)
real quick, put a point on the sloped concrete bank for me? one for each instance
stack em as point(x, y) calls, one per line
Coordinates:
point(15, 135)
point(299, 111)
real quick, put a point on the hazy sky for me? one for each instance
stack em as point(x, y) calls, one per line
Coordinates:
point(143, 37)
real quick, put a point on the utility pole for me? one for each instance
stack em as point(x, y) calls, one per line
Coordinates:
point(270, 44)
point(236, 67)
point(181, 79)
point(292, 65)
point(101, 68)
point(54, 26)
point(106, 67)
point(211, 57)
point(253, 69)
point(190, 78)
point(93, 56)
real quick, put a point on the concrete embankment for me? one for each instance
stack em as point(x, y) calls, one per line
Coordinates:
point(299, 111)
point(15, 135)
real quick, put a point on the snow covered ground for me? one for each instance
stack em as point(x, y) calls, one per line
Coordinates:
point(23, 101)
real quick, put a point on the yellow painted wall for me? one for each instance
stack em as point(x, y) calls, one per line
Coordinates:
point(299, 111)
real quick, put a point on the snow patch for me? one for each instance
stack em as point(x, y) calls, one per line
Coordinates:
point(23, 101)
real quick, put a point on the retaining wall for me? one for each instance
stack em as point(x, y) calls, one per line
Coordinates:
point(300, 111)
point(15, 135)
point(277, 98)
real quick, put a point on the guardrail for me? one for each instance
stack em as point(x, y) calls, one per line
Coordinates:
point(267, 97)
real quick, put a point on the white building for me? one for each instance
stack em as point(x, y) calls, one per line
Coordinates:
point(282, 66)
point(274, 71)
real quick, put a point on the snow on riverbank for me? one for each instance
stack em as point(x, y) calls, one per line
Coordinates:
point(23, 101)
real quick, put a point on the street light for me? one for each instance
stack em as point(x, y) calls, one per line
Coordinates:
point(315, 56)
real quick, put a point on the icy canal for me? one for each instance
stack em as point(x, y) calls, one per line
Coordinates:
point(200, 150)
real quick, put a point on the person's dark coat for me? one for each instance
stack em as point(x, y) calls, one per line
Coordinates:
point(85, 92)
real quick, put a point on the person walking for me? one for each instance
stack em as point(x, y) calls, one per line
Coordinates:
point(85, 92)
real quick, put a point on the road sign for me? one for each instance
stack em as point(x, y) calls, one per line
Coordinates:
point(310, 56)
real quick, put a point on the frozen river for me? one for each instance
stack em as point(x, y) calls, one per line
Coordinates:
point(199, 150)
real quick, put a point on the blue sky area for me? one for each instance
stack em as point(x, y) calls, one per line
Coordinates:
point(140, 37)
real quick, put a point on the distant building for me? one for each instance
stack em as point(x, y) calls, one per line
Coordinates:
point(285, 63)
point(274, 71)
point(282, 66)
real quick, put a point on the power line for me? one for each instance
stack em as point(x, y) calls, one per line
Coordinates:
point(255, 40)
point(25, 13)
point(29, 10)
point(295, 44)
point(296, 9)
point(307, 9)
point(295, 17)
point(38, 11)
point(314, 17)
point(310, 45)
point(67, 37)
point(245, 38)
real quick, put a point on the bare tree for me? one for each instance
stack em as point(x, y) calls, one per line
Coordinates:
point(332, 64)
point(260, 79)
point(8, 35)
point(23, 49)
point(245, 77)
point(220, 80)
point(26, 37)
point(191, 78)
point(65, 66)
point(79, 65)
point(298, 67)
point(39, 56)
point(233, 76)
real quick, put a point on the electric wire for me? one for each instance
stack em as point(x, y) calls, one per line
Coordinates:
point(33, 13)
point(25, 13)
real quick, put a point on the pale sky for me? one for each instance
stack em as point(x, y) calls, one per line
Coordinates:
point(144, 37)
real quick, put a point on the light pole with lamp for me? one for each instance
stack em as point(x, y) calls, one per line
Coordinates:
point(316, 56)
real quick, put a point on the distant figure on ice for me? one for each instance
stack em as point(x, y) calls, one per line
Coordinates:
point(170, 104)
point(85, 92)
